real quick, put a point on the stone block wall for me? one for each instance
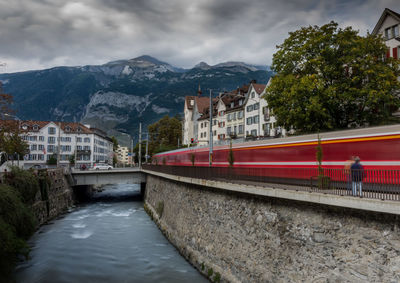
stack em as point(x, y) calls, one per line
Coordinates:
point(60, 197)
point(232, 237)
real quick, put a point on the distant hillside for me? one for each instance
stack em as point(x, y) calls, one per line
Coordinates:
point(118, 95)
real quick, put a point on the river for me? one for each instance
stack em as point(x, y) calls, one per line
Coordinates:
point(110, 239)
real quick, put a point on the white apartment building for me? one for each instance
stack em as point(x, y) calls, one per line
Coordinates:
point(389, 27)
point(258, 119)
point(87, 145)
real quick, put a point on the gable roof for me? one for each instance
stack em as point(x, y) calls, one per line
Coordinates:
point(385, 13)
point(202, 103)
point(259, 88)
point(64, 125)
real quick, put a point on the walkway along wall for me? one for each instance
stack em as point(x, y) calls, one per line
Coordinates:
point(236, 237)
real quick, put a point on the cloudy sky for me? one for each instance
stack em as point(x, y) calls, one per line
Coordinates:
point(36, 34)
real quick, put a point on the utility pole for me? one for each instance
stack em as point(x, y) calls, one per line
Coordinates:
point(140, 145)
point(147, 147)
point(58, 144)
point(211, 132)
point(132, 157)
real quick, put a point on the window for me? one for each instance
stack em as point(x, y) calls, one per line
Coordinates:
point(252, 94)
point(234, 116)
point(256, 119)
point(87, 139)
point(232, 104)
point(267, 129)
point(228, 131)
point(235, 130)
point(51, 140)
point(250, 108)
point(205, 134)
point(33, 147)
point(256, 106)
point(240, 129)
point(78, 139)
point(241, 102)
point(395, 31)
point(215, 133)
point(249, 120)
point(35, 127)
point(191, 102)
point(240, 115)
point(215, 122)
point(254, 133)
point(41, 146)
point(201, 135)
point(52, 131)
point(86, 147)
point(79, 147)
point(50, 148)
point(41, 138)
point(229, 117)
point(68, 129)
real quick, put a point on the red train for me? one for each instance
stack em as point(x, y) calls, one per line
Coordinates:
point(378, 148)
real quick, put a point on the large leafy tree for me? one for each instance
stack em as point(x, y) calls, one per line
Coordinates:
point(11, 141)
point(164, 134)
point(332, 78)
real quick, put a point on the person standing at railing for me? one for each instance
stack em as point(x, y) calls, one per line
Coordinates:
point(347, 172)
point(357, 176)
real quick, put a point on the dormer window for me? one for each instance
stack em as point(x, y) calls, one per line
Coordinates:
point(79, 129)
point(232, 104)
point(191, 102)
point(68, 129)
point(24, 127)
point(35, 127)
point(240, 102)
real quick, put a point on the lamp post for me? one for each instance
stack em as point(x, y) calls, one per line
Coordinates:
point(211, 143)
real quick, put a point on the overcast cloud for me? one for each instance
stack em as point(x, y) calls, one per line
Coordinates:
point(36, 34)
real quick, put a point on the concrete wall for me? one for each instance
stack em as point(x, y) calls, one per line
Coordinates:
point(60, 197)
point(245, 238)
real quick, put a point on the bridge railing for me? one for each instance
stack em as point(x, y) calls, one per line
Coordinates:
point(377, 184)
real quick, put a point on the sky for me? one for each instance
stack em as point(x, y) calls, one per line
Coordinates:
point(38, 34)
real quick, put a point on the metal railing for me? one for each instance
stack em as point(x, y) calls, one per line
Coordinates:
point(376, 183)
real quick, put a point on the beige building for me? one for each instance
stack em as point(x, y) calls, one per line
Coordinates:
point(122, 153)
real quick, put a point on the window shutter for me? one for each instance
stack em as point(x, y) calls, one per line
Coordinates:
point(395, 53)
point(388, 53)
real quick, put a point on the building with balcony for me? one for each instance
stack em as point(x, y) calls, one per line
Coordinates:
point(65, 139)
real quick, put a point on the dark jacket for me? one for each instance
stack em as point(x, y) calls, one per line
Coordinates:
point(357, 172)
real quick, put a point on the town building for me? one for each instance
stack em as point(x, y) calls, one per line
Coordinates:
point(67, 140)
point(388, 26)
point(123, 155)
point(187, 128)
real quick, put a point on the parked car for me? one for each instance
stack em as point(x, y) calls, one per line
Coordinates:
point(102, 166)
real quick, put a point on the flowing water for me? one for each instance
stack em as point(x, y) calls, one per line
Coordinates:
point(111, 239)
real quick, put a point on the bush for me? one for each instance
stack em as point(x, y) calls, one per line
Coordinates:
point(17, 224)
point(24, 182)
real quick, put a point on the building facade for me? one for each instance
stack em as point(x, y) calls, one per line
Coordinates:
point(65, 140)
point(389, 27)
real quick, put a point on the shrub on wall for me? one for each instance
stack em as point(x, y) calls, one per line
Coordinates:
point(16, 225)
point(24, 182)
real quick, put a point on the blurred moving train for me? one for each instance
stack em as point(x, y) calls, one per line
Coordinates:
point(378, 148)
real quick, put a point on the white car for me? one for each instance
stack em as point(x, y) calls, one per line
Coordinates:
point(99, 166)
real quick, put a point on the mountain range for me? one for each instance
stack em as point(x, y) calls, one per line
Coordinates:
point(118, 95)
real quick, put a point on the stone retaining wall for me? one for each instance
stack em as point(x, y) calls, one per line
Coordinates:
point(60, 197)
point(233, 237)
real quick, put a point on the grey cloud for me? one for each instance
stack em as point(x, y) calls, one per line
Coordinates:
point(45, 33)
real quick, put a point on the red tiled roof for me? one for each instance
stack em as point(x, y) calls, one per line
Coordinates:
point(259, 88)
point(67, 127)
point(202, 103)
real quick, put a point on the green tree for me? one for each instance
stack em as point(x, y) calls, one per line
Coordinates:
point(115, 143)
point(331, 78)
point(11, 141)
point(52, 160)
point(164, 134)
